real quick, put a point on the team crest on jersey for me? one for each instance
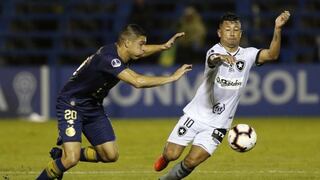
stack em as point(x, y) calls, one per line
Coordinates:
point(240, 65)
point(115, 63)
point(70, 131)
point(182, 131)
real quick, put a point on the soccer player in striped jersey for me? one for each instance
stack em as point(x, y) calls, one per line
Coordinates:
point(210, 113)
point(79, 104)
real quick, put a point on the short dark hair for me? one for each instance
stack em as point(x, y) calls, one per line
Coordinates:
point(131, 31)
point(229, 16)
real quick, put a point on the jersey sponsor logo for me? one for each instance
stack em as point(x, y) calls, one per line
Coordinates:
point(218, 108)
point(240, 65)
point(115, 63)
point(218, 135)
point(229, 83)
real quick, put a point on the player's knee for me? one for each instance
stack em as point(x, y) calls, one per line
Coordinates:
point(191, 162)
point(114, 157)
point(71, 159)
point(109, 156)
point(171, 154)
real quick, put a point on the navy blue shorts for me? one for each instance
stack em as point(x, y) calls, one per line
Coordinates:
point(83, 116)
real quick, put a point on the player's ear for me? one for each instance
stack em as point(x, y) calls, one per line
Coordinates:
point(127, 43)
point(219, 33)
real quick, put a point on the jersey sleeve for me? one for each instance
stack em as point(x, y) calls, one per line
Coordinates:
point(254, 55)
point(256, 59)
point(111, 65)
point(210, 54)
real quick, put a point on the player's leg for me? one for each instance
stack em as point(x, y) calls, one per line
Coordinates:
point(182, 134)
point(171, 152)
point(101, 135)
point(182, 169)
point(56, 168)
point(195, 156)
point(108, 151)
point(87, 154)
point(70, 137)
point(70, 154)
point(204, 144)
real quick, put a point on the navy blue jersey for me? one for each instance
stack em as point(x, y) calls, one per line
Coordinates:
point(95, 76)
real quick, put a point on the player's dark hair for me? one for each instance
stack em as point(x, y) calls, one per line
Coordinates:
point(229, 16)
point(130, 32)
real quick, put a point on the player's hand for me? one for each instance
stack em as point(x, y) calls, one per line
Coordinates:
point(171, 41)
point(181, 71)
point(225, 58)
point(282, 19)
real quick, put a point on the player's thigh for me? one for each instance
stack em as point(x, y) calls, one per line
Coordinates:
point(97, 127)
point(184, 132)
point(69, 122)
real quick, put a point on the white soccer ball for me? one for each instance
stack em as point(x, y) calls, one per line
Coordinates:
point(242, 138)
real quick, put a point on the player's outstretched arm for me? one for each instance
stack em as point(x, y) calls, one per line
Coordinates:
point(142, 81)
point(274, 50)
point(151, 49)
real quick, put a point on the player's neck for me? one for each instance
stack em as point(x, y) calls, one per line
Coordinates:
point(229, 49)
point(122, 53)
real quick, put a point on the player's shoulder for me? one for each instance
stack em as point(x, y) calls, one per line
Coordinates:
point(108, 50)
point(249, 49)
point(215, 48)
point(109, 55)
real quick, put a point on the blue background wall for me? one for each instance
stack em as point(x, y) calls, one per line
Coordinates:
point(272, 90)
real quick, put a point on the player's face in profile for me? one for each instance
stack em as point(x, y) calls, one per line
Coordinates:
point(230, 33)
point(136, 48)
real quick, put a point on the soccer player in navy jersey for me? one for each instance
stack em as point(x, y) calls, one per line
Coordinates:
point(79, 104)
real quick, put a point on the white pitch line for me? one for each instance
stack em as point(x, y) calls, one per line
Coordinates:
point(152, 172)
point(258, 172)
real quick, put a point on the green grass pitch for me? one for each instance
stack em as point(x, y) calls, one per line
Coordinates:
point(287, 148)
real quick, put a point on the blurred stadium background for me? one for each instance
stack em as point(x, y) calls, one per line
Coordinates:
point(43, 42)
